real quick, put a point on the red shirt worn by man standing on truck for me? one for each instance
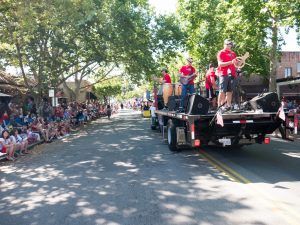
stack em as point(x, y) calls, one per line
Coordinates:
point(226, 69)
point(188, 70)
point(187, 87)
point(166, 77)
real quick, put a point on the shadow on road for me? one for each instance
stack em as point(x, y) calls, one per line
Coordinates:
point(120, 172)
point(273, 163)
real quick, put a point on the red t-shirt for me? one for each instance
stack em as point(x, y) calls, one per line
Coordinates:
point(188, 70)
point(59, 112)
point(226, 55)
point(4, 117)
point(167, 78)
point(209, 76)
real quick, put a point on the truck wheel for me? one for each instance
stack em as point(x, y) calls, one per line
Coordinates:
point(172, 136)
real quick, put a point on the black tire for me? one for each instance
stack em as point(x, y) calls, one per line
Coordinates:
point(172, 136)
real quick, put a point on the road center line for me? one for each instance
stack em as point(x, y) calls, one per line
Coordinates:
point(287, 213)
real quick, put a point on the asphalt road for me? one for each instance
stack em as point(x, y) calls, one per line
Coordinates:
point(121, 172)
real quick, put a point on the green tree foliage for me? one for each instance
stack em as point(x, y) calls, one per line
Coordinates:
point(252, 24)
point(52, 41)
point(109, 88)
point(41, 39)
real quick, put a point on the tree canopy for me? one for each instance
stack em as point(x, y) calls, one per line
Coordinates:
point(52, 41)
point(254, 25)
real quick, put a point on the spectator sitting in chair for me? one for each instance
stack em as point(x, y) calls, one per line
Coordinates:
point(22, 141)
point(8, 145)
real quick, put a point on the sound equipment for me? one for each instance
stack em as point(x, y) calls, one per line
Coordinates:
point(167, 92)
point(268, 102)
point(246, 106)
point(160, 102)
point(173, 103)
point(177, 89)
point(197, 105)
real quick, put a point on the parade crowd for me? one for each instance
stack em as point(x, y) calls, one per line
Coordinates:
point(21, 127)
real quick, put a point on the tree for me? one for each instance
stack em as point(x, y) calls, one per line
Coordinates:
point(252, 24)
point(53, 41)
point(40, 41)
point(270, 16)
point(109, 88)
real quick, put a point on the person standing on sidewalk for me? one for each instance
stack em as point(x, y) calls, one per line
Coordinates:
point(153, 115)
point(108, 111)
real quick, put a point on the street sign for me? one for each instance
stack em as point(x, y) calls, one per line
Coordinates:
point(51, 93)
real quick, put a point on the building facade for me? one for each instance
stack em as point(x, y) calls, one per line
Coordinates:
point(288, 75)
point(85, 91)
point(289, 65)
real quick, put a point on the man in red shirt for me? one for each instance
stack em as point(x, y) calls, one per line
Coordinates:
point(187, 74)
point(210, 84)
point(165, 89)
point(166, 77)
point(226, 72)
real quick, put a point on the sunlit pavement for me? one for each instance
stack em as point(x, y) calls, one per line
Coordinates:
point(124, 112)
point(120, 172)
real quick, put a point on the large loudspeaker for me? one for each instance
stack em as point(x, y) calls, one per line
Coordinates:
point(268, 102)
point(197, 105)
point(160, 102)
point(173, 103)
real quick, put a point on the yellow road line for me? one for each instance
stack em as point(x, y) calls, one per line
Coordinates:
point(232, 178)
point(235, 176)
point(229, 171)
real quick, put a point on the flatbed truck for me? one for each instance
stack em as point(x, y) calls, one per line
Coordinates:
point(240, 128)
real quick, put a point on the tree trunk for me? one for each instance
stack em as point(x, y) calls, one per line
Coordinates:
point(273, 57)
point(21, 63)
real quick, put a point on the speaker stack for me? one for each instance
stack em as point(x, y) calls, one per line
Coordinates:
point(268, 102)
point(160, 102)
point(173, 103)
point(197, 105)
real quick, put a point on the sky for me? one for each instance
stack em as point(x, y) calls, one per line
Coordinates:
point(169, 6)
point(164, 6)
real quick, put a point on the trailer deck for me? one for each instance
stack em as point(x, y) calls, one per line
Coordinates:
point(239, 128)
point(211, 114)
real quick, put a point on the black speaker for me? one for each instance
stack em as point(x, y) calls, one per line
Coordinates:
point(197, 105)
point(246, 106)
point(268, 102)
point(160, 102)
point(173, 103)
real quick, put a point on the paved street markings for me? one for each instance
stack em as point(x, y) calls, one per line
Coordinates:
point(288, 213)
point(221, 166)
